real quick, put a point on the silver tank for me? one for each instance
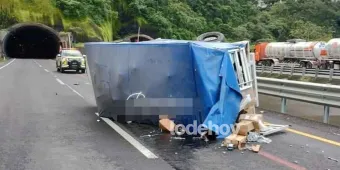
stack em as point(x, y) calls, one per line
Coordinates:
point(298, 50)
point(333, 48)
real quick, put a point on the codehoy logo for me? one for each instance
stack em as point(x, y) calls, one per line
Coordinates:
point(195, 129)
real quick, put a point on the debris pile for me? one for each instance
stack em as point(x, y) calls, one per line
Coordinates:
point(250, 129)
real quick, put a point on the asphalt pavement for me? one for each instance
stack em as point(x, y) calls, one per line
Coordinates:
point(48, 121)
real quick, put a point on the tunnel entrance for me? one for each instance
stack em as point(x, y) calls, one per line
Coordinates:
point(31, 41)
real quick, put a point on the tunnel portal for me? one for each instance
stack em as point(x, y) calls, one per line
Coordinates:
point(31, 41)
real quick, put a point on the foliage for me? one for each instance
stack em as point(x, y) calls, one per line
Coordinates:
point(106, 20)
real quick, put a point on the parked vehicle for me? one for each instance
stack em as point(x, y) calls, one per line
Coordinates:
point(70, 59)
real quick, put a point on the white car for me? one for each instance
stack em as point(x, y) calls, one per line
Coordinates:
point(71, 59)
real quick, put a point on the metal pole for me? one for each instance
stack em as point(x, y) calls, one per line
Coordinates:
point(292, 70)
point(303, 71)
point(271, 69)
point(262, 68)
point(331, 71)
point(326, 114)
point(316, 72)
point(283, 105)
point(281, 70)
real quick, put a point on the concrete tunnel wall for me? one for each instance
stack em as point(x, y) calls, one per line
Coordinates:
point(31, 40)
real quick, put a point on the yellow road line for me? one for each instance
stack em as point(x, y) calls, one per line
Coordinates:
point(312, 136)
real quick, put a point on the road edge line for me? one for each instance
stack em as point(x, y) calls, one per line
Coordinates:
point(314, 137)
point(311, 136)
point(141, 148)
point(7, 64)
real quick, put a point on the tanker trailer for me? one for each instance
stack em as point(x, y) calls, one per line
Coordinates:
point(269, 54)
point(333, 50)
point(307, 54)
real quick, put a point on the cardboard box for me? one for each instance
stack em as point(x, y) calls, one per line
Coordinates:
point(231, 139)
point(238, 141)
point(167, 125)
point(255, 118)
point(256, 148)
point(243, 127)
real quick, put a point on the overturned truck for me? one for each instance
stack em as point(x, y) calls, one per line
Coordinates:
point(185, 81)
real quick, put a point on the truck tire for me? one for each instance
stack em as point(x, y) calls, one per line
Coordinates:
point(219, 37)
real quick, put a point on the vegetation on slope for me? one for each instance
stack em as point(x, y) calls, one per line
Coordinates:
point(106, 20)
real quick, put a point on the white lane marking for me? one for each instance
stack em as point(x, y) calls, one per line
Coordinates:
point(74, 91)
point(46, 70)
point(61, 82)
point(146, 152)
point(7, 64)
point(37, 63)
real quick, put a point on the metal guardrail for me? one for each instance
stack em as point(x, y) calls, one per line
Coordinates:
point(320, 94)
point(299, 70)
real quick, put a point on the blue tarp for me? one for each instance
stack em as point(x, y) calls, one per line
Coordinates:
point(168, 69)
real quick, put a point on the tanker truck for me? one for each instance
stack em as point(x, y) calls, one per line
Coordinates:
point(333, 50)
point(306, 54)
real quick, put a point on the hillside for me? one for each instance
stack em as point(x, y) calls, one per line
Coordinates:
point(106, 20)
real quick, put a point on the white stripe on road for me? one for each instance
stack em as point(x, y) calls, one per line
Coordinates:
point(61, 82)
point(46, 70)
point(130, 139)
point(7, 64)
point(37, 63)
point(74, 91)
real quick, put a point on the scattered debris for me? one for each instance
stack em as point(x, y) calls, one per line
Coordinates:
point(323, 151)
point(242, 152)
point(56, 93)
point(129, 122)
point(261, 111)
point(256, 148)
point(98, 120)
point(76, 84)
point(145, 136)
point(230, 147)
point(307, 151)
point(333, 159)
point(224, 152)
point(256, 137)
point(290, 145)
point(296, 162)
point(178, 138)
point(176, 153)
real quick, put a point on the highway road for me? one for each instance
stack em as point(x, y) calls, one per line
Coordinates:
point(48, 121)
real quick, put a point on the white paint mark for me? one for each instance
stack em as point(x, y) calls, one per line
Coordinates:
point(46, 70)
point(130, 139)
point(74, 91)
point(61, 82)
point(7, 64)
point(37, 63)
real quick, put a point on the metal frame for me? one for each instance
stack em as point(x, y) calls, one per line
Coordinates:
point(320, 94)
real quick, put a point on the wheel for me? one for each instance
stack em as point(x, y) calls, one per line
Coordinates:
point(309, 65)
point(83, 71)
point(219, 37)
point(62, 70)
